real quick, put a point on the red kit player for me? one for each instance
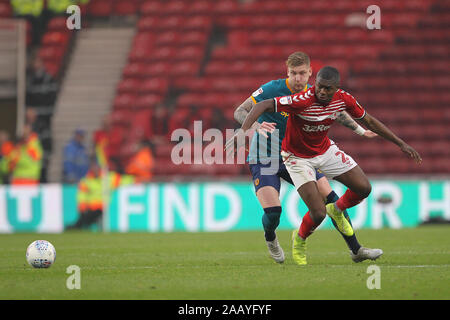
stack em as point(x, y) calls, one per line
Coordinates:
point(306, 147)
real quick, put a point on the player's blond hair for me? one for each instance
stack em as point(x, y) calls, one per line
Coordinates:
point(297, 59)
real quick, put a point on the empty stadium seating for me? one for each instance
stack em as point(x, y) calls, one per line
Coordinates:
point(399, 73)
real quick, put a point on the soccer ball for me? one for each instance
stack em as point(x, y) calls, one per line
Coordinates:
point(41, 254)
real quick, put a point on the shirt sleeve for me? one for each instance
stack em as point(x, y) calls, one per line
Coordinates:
point(263, 93)
point(352, 106)
point(295, 103)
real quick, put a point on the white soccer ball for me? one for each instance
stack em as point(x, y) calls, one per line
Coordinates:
point(41, 254)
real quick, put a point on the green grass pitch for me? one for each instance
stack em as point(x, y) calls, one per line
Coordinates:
point(228, 266)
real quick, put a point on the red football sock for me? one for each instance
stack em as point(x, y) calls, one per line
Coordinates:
point(348, 200)
point(307, 226)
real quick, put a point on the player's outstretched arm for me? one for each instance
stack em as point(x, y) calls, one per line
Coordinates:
point(347, 121)
point(257, 110)
point(379, 128)
point(243, 110)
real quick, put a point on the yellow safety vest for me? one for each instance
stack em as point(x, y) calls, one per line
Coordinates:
point(60, 6)
point(27, 7)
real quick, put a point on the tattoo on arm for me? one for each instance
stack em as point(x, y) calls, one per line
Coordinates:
point(242, 111)
point(344, 119)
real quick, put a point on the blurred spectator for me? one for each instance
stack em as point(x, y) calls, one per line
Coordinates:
point(38, 125)
point(141, 164)
point(26, 158)
point(101, 145)
point(32, 11)
point(90, 195)
point(76, 159)
point(41, 126)
point(6, 148)
point(41, 86)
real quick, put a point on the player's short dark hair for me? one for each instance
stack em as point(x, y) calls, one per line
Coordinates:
point(329, 73)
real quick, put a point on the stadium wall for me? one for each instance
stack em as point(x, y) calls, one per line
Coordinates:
point(203, 207)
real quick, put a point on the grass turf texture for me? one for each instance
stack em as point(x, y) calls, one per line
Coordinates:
point(223, 266)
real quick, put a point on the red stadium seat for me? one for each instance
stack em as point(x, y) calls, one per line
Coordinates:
point(128, 85)
point(148, 100)
point(175, 7)
point(163, 53)
point(148, 23)
point(99, 8)
point(197, 22)
point(51, 53)
point(172, 23)
point(184, 68)
point(55, 38)
point(151, 7)
point(156, 69)
point(226, 7)
point(193, 38)
point(57, 23)
point(125, 7)
point(154, 85)
point(125, 101)
point(171, 37)
point(201, 7)
point(5, 10)
point(191, 53)
point(134, 69)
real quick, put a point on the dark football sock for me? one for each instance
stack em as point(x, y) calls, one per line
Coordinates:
point(270, 221)
point(352, 241)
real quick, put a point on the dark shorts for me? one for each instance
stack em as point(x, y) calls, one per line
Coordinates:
point(273, 178)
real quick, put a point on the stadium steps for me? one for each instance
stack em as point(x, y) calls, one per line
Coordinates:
point(87, 91)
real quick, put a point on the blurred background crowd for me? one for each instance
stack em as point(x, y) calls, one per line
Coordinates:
point(111, 93)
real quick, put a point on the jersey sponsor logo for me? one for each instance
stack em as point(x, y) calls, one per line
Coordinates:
point(284, 114)
point(286, 100)
point(320, 127)
point(257, 92)
point(256, 181)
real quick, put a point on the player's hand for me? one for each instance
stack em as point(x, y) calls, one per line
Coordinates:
point(235, 143)
point(411, 152)
point(370, 134)
point(264, 127)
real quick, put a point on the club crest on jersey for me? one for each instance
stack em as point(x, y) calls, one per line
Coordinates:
point(286, 100)
point(257, 92)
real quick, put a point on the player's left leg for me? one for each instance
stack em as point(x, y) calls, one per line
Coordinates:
point(267, 188)
point(331, 197)
point(344, 169)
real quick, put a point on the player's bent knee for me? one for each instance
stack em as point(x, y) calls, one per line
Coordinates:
point(365, 190)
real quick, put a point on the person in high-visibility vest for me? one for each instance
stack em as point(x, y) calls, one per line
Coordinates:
point(60, 6)
point(27, 7)
point(25, 162)
point(141, 164)
point(90, 194)
point(6, 147)
point(32, 10)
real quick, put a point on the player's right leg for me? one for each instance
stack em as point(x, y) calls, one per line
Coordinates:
point(267, 189)
point(303, 177)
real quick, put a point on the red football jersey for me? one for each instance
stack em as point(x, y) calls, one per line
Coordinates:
point(309, 121)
